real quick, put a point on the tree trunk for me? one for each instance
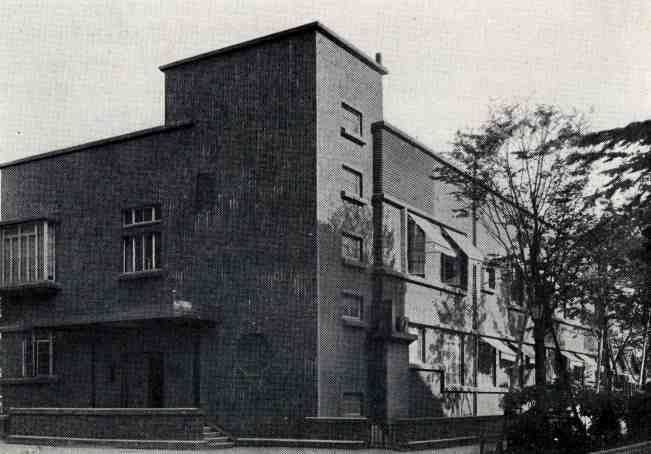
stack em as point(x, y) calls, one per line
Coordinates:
point(539, 346)
point(645, 348)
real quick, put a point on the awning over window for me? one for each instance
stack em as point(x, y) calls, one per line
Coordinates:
point(572, 359)
point(465, 244)
point(435, 241)
point(507, 352)
point(527, 350)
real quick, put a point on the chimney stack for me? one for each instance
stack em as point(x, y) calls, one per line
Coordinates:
point(378, 58)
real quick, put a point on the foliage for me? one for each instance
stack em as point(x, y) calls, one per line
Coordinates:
point(519, 187)
point(595, 423)
point(638, 415)
point(627, 152)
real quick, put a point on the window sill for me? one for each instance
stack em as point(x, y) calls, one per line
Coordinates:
point(354, 322)
point(352, 136)
point(150, 274)
point(353, 263)
point(353, 198)
point(38, 380)
point(141, 224)
point(437, 285)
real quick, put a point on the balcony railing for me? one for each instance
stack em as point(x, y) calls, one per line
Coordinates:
point(27, 257)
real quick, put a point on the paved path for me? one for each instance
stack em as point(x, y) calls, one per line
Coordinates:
point(25, 449)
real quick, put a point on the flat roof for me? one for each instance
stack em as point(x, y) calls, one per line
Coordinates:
point(100, 142)
point(312, 26)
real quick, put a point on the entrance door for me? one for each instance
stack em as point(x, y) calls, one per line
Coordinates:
point(133, 380)
point(154, 368)
point(142, 380)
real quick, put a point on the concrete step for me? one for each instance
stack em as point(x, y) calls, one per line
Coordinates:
point(220, 445)
point(219, 439)
point(300, 443)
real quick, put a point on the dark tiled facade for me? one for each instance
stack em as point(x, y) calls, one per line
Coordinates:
point(281, 285)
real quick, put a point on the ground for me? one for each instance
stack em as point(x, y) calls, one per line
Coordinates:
point(25, 449)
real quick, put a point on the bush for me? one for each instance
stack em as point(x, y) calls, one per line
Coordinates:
point(598, 420)
point(638, 416)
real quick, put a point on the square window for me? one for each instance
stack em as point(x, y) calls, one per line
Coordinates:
point(353, 305)
point(351, 246)
point(352, 120)
point(352, 181)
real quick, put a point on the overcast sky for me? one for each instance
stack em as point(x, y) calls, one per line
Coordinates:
point(74, 71)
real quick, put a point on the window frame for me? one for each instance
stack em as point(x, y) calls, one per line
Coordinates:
point(31, 354)
point(156, 251)
point(493, 362)
point(416, 259)
point(131, 213)
point(33, 263)
point(359, 298)
point(347, 169)
point(491, 277)
point(357, 238)
point(458, 263)
point(358, 117)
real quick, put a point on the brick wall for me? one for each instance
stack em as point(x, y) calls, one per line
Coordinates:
point(342, 77)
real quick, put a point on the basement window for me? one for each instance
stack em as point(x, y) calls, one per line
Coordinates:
point(352, 404)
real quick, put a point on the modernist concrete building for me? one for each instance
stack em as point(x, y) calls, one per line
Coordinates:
point(274, 251)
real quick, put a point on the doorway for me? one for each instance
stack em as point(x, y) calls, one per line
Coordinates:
point(142, 383)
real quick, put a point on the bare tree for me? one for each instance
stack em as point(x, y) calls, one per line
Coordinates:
point(519, 186)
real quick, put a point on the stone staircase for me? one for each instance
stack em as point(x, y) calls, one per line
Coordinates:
point(216, 438)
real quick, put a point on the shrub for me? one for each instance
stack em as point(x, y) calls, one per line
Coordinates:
point(594, 423)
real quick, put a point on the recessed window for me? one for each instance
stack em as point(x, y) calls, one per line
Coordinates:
point(352, 181)
point(486, 367)
point(141, 252)
point(452, 269)
point(352, 120)
point(415, 248)
point(142, 215)
point(578, 373)
point(38, 355)
point(353, 305)
point(516, 285)
point(490, 277)
point(352, 246)
point(420, 346)
point(27, 252)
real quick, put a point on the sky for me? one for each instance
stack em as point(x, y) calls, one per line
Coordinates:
point(72, 71)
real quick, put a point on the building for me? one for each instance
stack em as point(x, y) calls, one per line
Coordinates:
point(274, 251)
